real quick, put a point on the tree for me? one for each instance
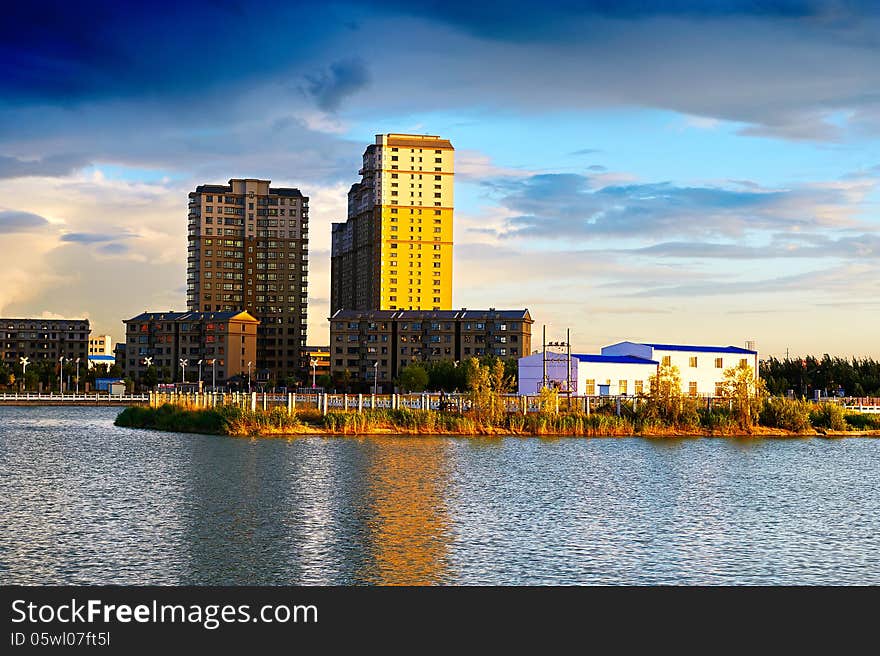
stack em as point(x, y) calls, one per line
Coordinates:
point(746, 391)
point(487, 383)
point(324, 381)
point(343, 380)
point(150, 377)
point(413, 378)
point(665, 392)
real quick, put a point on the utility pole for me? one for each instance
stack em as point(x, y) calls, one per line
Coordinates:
point(568, 360)
point(544, 357)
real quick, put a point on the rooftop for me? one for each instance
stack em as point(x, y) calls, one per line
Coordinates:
point(613, 359)
point(700, 349)
point(190, 316)
point(422, 315)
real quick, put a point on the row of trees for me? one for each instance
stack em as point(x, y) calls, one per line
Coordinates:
point(450, 376)
point(45, 372)
point(856, 377)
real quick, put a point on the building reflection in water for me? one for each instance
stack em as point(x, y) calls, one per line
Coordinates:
point(408, 526)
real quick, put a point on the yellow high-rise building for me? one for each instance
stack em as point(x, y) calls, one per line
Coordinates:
point(395, 250)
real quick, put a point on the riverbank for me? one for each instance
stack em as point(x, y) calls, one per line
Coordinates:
point(278, 422)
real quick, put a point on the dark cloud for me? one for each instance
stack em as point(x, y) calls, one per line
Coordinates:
point(70, 52)
point(565, 206)
point(53, 166)
point(330, 88)
point(842, 280)
point(114, 248)
point(585, 151)
point(109, 239)
point(523, 20)
point(15, 221)
point(865, 246)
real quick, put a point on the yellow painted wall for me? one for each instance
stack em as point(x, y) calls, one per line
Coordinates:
point(405, 284)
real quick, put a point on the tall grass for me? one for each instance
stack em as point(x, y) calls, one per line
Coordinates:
point(223, 420)
point(691, 417)
point(788, 414)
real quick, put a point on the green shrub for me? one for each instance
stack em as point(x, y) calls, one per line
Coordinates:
point(788, 414)
point(828, 415)
point(861, 421)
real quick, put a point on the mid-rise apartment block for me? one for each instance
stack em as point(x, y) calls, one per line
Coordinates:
point(225, 342)
point(318, 358)
point(394, 252)
point(43, 339)
point(380, 343)
point(100, 345)
point(248, 250)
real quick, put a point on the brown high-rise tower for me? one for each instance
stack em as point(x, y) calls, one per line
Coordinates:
point(248, 250)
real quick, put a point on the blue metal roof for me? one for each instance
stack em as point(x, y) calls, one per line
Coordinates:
point(613, 359)
point(699, 349)
point(103, 358)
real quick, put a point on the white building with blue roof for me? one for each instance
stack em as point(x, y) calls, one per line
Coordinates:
point(701, 367)
point(626, 368)
point(591, 374)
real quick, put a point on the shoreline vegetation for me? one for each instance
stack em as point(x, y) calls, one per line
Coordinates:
point(746, 410)
point(781, 418)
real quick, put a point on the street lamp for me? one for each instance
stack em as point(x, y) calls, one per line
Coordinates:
point(61, 375)
point(200, 375)
point(214, 374)
point(249, 377)
point(77, 375)
point(183, 363)
point(148, 362)
point(24, 363)
point(314, 370)
point(375, 377)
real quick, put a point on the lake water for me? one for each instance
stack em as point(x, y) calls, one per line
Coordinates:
point(84, 502)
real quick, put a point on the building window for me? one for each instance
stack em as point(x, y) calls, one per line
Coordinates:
point(621, 387)
point(719, 363)
point(639, 387)
point(719, 389)
point(667, 360)
point(692, 388)
point(692, 361)
point(744, 363)
point(590, 387)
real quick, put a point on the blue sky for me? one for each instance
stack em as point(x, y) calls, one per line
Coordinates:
point(701, 172)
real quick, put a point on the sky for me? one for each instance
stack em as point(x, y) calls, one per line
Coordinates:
point(692, 172)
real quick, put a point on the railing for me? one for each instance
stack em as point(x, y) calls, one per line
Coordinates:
point(94, 397)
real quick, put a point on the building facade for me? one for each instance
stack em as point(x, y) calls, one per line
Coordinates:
point(249, 250)
point(100, 345)
point(43, 339)
point(318, 358)
point(626, 368)
point(701, 367)
point(379, 343)
point(394, 252)
point(165, 338)
point(591, 374)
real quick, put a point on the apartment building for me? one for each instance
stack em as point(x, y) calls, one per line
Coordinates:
point(379, 343)
point(43, 339)
point(394, 251)
point(100, 345)
point(318, 358)
point(248, 250)
point(162, 339)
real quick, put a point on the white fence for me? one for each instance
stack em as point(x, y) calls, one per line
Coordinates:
point(96, 398)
